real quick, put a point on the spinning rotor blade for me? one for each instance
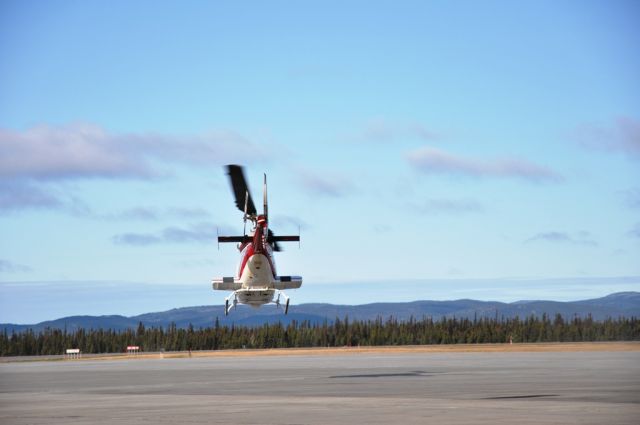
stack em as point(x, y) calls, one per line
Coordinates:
point(241, 190)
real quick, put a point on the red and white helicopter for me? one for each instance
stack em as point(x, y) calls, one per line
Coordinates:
point(256, 282)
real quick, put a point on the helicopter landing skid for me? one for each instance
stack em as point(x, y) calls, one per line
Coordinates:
point(286, 301)
point(227, 305)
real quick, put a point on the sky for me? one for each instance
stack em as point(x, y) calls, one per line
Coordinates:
point(423, 150)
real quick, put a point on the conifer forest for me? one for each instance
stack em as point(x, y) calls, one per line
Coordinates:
point(338, 333)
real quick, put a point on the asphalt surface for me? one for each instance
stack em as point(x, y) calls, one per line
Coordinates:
point(383, 388)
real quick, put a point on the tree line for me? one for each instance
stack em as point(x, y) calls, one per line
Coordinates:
point(339, 333)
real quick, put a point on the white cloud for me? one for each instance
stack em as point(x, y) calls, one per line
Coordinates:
point(88, 151)
point(36, 164)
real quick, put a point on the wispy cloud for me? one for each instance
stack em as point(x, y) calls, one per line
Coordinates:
point(623, 135)
point(198, 233)
point(201, 233)
point(11, 267)
point(382, 228)
point(188, 213)
point(632, 198)
point(383, 131)
point(146, 213)
point(137, 213)
point(635, 232)
point(139, 239)
point(18, 195)
point(192, 264)
point(436, 161)
point(326, 184)
point(287, 222)
point(448, 206)
point(579, 238)
point(82, 150)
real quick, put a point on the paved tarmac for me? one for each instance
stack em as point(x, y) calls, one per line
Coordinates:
point(371, 388)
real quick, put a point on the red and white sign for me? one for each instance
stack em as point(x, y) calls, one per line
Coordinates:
point(133, 348)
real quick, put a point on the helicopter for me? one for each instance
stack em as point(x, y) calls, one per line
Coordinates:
point(256, 282)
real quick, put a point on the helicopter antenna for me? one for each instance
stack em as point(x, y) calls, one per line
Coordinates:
point(246, 203)
point(265, 209)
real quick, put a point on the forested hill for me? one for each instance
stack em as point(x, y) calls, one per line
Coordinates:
point(626, 304)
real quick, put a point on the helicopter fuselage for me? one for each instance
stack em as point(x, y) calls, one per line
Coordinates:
point(256, 271)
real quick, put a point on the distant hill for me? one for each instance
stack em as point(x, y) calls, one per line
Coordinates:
point(625, 304)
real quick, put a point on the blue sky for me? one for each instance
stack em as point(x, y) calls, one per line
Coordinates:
point(430, 147)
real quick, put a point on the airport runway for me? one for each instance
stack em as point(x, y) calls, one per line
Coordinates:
point(371, 388)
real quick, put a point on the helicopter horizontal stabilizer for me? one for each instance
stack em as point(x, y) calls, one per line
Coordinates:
point(226, 284)
point(241, 239)
point(288, 282)
point(284, 238)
